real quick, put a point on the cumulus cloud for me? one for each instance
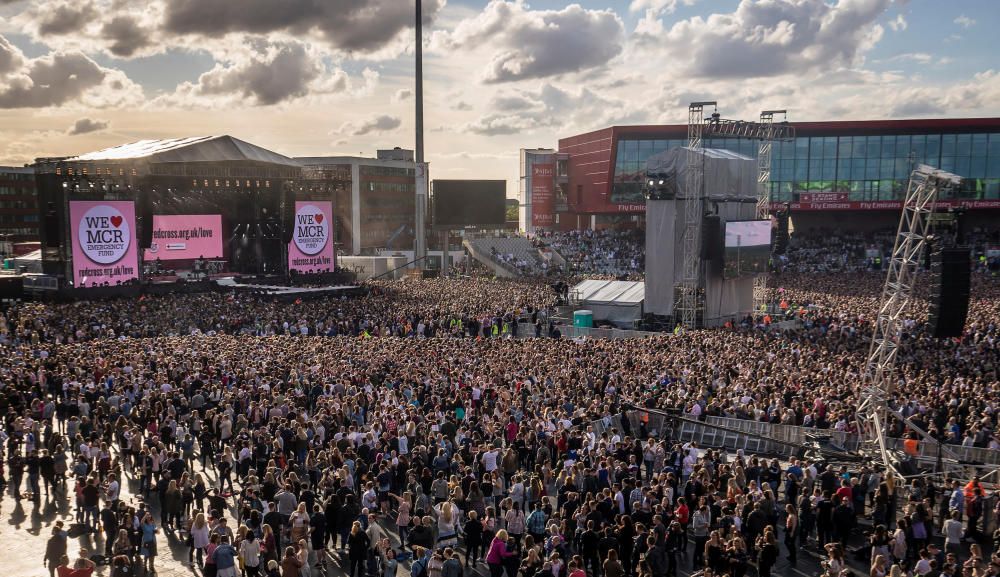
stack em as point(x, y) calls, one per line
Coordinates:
point(899, 24)
point(65, 18)
point(349, 25)
point(530, 44)
point(657, 7)
point(373, 125)
point(280, 73)
point(550, 106)
point(263, 74)
point(125, 36)
point(86, 125)
point(772, 38)
point(59, 78)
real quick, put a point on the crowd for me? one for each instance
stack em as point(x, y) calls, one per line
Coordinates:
point(600, 254)
point(402, 430)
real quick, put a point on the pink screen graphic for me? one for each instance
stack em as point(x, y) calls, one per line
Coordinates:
point(311, 248)
point(185, 236)
point(104, 242)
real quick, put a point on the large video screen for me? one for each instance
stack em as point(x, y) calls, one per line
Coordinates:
point(104, 242)
point(185, 237)
point(748, 247)
point(460, 203)
point(311, 249)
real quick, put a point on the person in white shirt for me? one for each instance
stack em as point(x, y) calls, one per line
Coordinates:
point(489, 460)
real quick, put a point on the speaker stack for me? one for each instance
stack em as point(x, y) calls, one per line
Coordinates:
point(145, 202)
point(950, 280)
point(51, 226)
point(287, 215)
point(712, 241)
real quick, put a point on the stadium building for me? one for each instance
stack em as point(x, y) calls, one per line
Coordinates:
point(848, 174)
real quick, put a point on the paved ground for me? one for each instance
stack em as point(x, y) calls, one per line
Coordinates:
point(25, 527)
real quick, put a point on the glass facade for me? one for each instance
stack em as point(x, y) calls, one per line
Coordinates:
point(868, 168)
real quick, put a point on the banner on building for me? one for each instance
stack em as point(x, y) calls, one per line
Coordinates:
point(311, 249)
point(543, 202)
point(104, 242)
point(824, 196)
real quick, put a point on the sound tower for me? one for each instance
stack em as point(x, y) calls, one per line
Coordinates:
point(711, 237)
point(51, 226)
point(145, 202)
point(950, 279)
point(287, 215)
point(781, 236)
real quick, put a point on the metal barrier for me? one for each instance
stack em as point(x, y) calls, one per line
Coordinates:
point(708, 436)
point(527, 330)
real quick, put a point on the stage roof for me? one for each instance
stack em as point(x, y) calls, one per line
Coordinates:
point(610, 292)
point(193, 149)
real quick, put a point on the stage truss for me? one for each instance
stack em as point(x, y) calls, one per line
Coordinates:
point(879, 382)
point(766, 131)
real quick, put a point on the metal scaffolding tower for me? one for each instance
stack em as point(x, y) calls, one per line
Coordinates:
point(700, 127)
point(687, 305)
point(764, 150)
point(879, 381)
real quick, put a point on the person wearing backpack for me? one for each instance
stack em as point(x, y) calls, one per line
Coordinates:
point(422, 558)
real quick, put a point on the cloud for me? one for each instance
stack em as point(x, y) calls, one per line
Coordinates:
point(373, 125)
point(461, 106)
point(125, 36)
point(86, 125)
point(770, 38)
point(402, 95)
point(899, 24)
point(551, 106)
point(657, 7)
point(964, 21)
point(60, 78)
point(350, 25)
point(501, 124)
point(528, 44)
point(64, 18)
point(263, 74)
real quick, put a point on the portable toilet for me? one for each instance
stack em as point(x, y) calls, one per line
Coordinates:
point(583, 319)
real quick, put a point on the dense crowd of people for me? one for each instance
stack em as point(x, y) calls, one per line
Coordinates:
point(409, 430)
point(599, 254)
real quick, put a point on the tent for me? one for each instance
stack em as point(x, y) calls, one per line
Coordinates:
point(615, 301)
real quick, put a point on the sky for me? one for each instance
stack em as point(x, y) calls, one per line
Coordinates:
point(331, 77)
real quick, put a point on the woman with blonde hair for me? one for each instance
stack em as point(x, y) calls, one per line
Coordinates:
point(357, 550)
point(878, 567)
point(299, 522)
point(447, 524)
point(199, 537)
point(498, 554)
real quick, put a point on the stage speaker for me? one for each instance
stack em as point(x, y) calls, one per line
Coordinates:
point(145, 210)
point(950, 280)
point(781, 235)
point(287, 215)
point(52, 226)
point(711, 237)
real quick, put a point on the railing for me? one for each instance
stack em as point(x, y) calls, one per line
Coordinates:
point(794, 434)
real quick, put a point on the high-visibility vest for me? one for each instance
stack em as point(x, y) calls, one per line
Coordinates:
point(910, 447)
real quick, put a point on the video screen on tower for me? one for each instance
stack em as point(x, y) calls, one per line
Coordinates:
point(185, 236)
point(748, 247)
point(461, 203)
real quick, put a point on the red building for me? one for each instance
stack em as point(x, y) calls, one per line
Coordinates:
point(851, 173)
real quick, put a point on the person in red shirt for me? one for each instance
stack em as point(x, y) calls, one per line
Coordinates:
point(682, 515)
point(845, 492)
